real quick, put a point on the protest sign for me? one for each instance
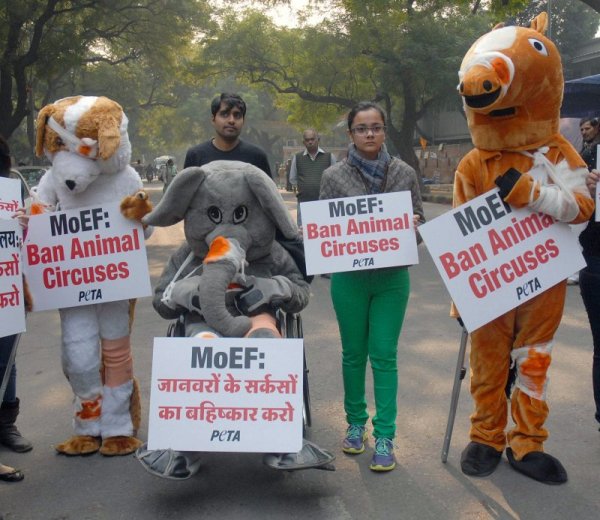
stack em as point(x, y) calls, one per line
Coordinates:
point(85, 256)
point(12, 308)
point(226, 394)
point(10, 197)
point(492, 257)
point(356, 233)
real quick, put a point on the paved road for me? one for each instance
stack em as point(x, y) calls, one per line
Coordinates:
point(240, 487)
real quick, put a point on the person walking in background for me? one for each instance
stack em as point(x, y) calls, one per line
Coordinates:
point(9, 409)
point(307, 169)
point(228, 116)
point(370, 304)
point(169, 175)
point(281, 172)
point(589, 276)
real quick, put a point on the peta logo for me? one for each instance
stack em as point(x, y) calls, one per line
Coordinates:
point(363, 262)
point(90, 295)
point(528, 288)
point(225, 436)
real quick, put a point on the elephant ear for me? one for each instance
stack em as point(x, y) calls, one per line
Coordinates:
point(265, 190)
point(175, 202)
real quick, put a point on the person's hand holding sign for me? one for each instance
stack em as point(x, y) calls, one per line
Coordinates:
point(591, 180)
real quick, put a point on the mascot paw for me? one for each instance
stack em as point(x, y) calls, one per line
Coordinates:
point(79, 445)
point(539, 466)
point(479, 460)
point(134, 207)
point(119, 445)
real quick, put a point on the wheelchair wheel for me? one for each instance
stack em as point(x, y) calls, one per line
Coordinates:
point(176, 328)
point(293, 329)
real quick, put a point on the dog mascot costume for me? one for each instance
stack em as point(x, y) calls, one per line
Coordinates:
point(511, 82)
point(227, 277)
point(86, 140)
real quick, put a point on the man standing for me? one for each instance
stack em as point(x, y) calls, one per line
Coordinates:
point(307, 169)
point(170, 172)
point(228, 112)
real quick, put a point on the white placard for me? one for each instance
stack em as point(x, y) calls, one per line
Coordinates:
point(85, 256)
point(12, 305)
point(357, 233)
point(493, 257)
point(10, 197)
point(226, 394)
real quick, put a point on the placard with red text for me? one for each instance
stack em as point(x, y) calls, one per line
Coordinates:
point(12, 305)
point(226, 394)
point(493, 257)
point(356, 233)
point(85, 256)
point(10, 197)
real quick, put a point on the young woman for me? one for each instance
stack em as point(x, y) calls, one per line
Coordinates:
point(370, 305)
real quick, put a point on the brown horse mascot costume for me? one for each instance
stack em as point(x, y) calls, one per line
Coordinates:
point(512, 84)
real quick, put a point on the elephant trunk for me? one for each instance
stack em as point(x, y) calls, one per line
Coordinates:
point(223, 261)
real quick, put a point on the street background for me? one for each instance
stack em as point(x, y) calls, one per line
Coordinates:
point(239, 486)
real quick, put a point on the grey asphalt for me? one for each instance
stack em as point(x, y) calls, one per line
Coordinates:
point(238, 486)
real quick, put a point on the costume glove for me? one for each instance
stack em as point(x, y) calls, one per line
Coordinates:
point(507, 181)
point(184, 293)
point(263, 292)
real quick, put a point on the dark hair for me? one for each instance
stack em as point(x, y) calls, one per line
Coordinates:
point(5, 161)
point(361, 107)
point(591, 120)
point(230, 100)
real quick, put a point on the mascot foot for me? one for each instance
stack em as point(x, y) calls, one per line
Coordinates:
point(79, 445)
point(479, 460)
point(119, 445)
point(173, 465)
point(310, 456)
point(539, 466)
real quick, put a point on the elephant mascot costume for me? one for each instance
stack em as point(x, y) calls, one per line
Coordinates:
point(228, 277)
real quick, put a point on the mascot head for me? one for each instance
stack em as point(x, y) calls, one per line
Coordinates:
point(83, 137)
point(511, 82)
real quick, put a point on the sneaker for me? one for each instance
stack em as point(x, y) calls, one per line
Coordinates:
point(355, 439)
point(383, 458)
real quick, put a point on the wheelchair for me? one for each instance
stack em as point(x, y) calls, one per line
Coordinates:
point(290, 326)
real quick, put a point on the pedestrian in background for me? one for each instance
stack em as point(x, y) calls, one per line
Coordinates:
point(370, 304)
point(307, 169)
point(169, 175)
point(589, 276)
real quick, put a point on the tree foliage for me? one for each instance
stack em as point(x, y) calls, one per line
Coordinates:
point(404, 55)
point(49, 44)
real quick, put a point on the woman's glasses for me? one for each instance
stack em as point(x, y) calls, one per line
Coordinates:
point(364, 130)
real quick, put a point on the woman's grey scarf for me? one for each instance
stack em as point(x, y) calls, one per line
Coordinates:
point(373, 171)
